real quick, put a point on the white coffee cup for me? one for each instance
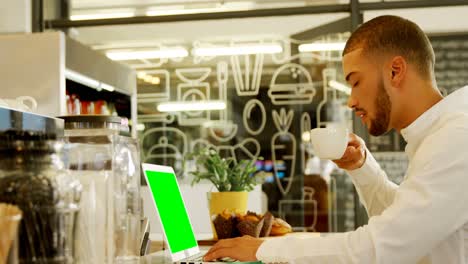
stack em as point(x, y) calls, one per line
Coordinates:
point(23, 103)
point(329, 143)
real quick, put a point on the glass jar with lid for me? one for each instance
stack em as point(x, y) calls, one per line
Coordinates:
point(32, 176)
point(108, 166)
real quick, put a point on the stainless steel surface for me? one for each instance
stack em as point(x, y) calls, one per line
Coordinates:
point(82, 59)
point(93, 122)
point(18, 120)
point(41, 69)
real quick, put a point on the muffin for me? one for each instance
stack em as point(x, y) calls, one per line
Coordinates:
point(224, 225)
point(267, 224)
point(280, 227)
point(250, 227)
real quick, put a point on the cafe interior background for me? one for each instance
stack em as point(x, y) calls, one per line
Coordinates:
point(274, 67)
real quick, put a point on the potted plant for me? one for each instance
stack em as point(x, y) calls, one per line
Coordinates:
point(233, 180)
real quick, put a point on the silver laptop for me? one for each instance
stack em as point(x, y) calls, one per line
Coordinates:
point(173, 215)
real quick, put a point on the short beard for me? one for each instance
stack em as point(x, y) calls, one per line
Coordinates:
point(383, 106)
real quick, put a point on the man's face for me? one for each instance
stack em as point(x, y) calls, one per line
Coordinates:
point(368, 97)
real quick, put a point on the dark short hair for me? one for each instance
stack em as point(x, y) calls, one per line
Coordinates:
point(395, 36)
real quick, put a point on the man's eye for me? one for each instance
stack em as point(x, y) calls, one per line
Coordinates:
point(355, 84)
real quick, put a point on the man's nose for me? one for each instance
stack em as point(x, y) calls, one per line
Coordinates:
point(352, 102)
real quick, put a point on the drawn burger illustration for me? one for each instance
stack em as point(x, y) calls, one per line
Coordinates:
point(291, 93)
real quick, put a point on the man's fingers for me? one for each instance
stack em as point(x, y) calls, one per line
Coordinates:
point(350, 154)
point(223, 243)
point(352, 158)
point(242, 249)
point(354, 140)
point(218, 253)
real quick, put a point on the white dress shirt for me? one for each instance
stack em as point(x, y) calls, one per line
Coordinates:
point(423, 220)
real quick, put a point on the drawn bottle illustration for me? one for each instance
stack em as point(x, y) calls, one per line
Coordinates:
point(283, 150)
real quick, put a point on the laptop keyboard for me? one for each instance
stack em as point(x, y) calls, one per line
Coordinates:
point(199, 258)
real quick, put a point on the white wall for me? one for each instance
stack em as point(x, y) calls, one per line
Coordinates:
point(197, 207)
point(15, 16)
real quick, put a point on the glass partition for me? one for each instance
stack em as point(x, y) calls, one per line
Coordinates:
point(274, 95)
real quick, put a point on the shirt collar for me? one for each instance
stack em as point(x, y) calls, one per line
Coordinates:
point(420, 127)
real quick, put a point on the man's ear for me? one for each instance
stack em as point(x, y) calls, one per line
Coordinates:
point(398, 69)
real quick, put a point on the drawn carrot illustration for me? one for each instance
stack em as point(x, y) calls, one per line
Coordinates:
point(283, 148)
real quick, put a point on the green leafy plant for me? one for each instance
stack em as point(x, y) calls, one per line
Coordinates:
point(225, 174)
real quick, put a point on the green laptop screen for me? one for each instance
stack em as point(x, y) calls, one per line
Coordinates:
point(171, 210)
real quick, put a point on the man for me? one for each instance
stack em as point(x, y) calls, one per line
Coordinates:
point(389, 63)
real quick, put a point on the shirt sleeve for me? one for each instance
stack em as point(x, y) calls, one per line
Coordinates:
point(426, 210)
point(376, 192)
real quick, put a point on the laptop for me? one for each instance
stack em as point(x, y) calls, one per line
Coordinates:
point(173, 215)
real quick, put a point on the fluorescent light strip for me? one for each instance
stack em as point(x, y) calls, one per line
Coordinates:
point(80, 78)
point(147, 54)
point(87, 81)
point(180, 9)
point(321, 46)
point(237, 50)
point(191, 106)
point(101, 16)
point(123, 45)
point(165, 12)
point(340, 87)
point(107, 87)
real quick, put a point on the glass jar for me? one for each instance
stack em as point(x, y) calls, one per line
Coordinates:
point(107, 164)
point(32, 177)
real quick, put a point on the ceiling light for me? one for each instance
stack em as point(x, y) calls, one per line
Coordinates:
point(191, 106)
point(237, 50)
point(321, 46)
point(141, 75)
point(147, 78)
point(340, 87)
point(305, 136)
point(155, 80)
point(147, 54)
point(102, 15)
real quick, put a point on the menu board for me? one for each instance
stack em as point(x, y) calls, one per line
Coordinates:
point(451, 67)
